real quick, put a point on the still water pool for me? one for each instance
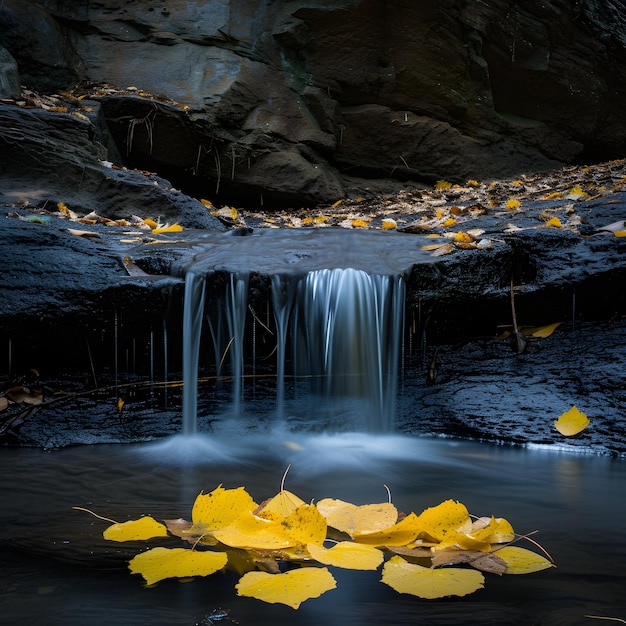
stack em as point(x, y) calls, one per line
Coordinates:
point(56, 568)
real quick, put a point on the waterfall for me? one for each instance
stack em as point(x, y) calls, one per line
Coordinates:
point(343, 328)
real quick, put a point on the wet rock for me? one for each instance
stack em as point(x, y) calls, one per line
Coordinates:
point(9, 77)
point(403, 91)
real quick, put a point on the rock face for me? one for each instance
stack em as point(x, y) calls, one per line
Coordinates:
point(297, 102)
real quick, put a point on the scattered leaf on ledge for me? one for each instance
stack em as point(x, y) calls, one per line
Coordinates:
point(86, 234)
point(571, 422)
point(512, 203)
point(174, 228)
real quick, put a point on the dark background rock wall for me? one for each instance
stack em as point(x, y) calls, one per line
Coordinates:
point(298, 101)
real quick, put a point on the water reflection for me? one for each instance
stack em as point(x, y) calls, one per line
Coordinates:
point(55, 558)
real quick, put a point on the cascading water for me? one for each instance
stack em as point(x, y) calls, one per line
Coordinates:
point(344, 327)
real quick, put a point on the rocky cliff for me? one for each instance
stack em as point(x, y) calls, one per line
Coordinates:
point(298, 101)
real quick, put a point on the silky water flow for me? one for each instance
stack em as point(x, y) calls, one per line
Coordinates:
point(338, 333)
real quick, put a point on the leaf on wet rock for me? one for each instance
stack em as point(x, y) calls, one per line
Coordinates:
point(389, 224)
point(540, 332)
point(512, 204)
point(522, 561)
point(168, 228)
point(161, 563)
point(442, 185)
point(86, 234)
point(571, 422)
point(135, 530)
point(291, 588)
point(429, 583)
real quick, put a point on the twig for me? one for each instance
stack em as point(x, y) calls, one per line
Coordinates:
point(105, 519)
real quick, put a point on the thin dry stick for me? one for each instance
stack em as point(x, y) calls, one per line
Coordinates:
point(282, 482)
point(105, 519)
point(388, 493)
point(611, 619)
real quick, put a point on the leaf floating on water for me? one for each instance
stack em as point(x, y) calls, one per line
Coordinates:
point(350, 518)
point(135, 530)
point(284, 503)
point(291, 588)
point(445, 518)
point(347, 554)
point(522, 561)
point(429, 583)
point(219, 508)
point(571, 422)
point(161, 563)
point(400, 534)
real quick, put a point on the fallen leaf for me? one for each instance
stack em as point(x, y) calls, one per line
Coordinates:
point(161, 563)
point(439, 521)
point(87, 234)
point(291, 588)
point(350, 518)
point(219, 508)
point(135, 530)
point(443, 185)
point(512, 203)
point(174, 228)
point(571, 422)
point(541, 331)
point(429, 583)
point(522, 561)
point(359, 223)
point(400, 534)
point(389, 224)
point(347, 554)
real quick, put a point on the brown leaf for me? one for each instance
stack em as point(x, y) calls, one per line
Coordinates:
point(483, 561)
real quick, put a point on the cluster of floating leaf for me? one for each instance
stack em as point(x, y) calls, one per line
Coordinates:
point(284, 547)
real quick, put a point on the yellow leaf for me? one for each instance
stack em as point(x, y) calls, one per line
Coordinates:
point(555, 222)
point(336, 204)
point(359, 223)
point(576, 193)
point(120, 404)
point(400, 534)
point(219, 508)
point(306, 525)
point(619, 233)
point(449, 222)
point(350, 518)
point(448, 517)
point(389, 224)
point(174, 228)
point(425, 582)
point(252, 532)
point(473, 183)
point(443, 184)
point(320, 219)
point(462, 237)
point(571, 422)
point(160, 563)
point(492, 530)
point(541, 331)
point(433, 246)
point(135, 530)
point(283, 503)
point(291, 588)
point(207, 203)
point(348, 555)
point(553, 196)
point(150, 223)
point(512, 203)
point(522, 561)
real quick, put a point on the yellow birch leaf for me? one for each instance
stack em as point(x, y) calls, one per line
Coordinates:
point(576, 193)
point(462, 541)
point(160, 563)
point(135, 530)
point(174, 228)
point(219, 508)
point(619, 233)
point(283, 503)
point(462, 237)
point(320, 219)
point(473, 183)
point(492, 530)
point(442, 185)
point(554, 222)
point(359, 223)
point(522, 561)
point(425, 582)
point(291, 588)
point(336, 204)
point(389, 224)
point(150, 222)
point(207, 203)
point(541, 331)
point(252, 532)
point(347, 554)
point(400, 534)
point(306, 525)
point(553, 196)
point(449, 222)
point(571, 422)
point(512, 203)
point(350, 518)
point(307, 220)
point(445, 518)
